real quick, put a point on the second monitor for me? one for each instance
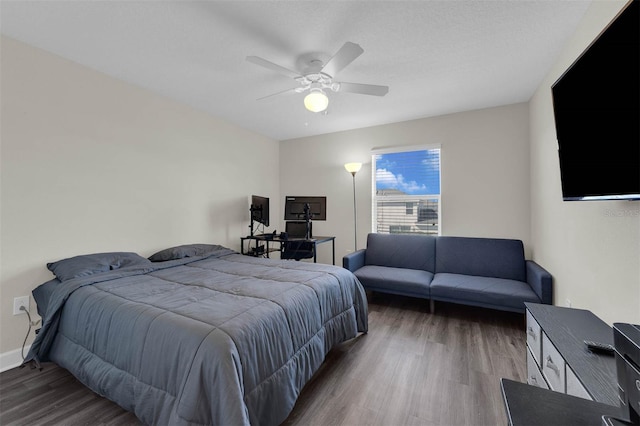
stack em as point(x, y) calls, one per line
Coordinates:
point(294, 207)
point(260, 209)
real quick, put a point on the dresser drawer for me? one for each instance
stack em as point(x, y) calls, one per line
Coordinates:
point(534, 376)
point(553, 365)
point(534, 338)
point(574, 387)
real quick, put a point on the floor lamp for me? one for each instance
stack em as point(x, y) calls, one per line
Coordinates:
point(354, 168)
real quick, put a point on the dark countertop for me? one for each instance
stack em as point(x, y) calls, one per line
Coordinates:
point(530, 405)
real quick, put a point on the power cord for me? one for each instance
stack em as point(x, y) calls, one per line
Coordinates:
point(31, 324)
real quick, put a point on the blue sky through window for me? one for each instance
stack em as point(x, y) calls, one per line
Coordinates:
point(410, 172)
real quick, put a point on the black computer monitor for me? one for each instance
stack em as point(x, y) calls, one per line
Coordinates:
point(260, 209)
point(294, 207)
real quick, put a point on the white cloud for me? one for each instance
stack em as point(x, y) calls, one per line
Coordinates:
point(385, 176)
point(389, 180)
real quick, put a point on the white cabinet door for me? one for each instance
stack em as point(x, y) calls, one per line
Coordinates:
point(534, 376)
point(553, 365)
point(574, 387)
point(534, 338)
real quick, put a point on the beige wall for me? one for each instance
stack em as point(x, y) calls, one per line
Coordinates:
point(91, 164)
point(485, 173)
point(592, 248)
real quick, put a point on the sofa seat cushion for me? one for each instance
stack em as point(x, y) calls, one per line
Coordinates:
point(412, 282)
point(482, 290)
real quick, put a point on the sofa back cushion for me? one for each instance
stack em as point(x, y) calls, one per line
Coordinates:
point(485, 257)
point(401, 251)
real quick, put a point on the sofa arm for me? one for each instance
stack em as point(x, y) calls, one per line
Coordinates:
point(354, 261)
point(540, 281)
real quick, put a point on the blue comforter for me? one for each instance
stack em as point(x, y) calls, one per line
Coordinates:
point(216, 339)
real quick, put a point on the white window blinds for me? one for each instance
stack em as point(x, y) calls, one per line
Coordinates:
point(406, 191)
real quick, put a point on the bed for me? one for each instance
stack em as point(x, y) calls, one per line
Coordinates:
point(196, 334)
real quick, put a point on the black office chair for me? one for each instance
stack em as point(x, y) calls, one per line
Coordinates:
point(297, 249)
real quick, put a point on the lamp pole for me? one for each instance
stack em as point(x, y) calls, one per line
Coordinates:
point(353, 168)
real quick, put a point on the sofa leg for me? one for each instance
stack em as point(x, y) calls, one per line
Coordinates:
point(432, 306)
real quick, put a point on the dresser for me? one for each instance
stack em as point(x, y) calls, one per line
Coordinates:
point(568, 385)
point(558, 359)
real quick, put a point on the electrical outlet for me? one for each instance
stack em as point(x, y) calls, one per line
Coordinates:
point(20, 301)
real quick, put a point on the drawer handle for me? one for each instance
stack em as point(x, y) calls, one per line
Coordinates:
point(531, 333)
point(552, 366)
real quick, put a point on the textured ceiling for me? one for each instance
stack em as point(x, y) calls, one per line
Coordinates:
point(437, 57)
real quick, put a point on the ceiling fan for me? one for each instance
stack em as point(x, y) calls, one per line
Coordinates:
point(319, 77)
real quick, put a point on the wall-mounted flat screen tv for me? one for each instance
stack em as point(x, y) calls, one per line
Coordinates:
point(260, 209)
point(597, 118)
point(294, 207)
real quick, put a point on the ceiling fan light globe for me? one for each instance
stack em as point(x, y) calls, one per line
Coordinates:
point(316, 101)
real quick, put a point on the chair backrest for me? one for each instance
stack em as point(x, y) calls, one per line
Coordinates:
point(298, 228)
point(485, 257)
point(401, 251)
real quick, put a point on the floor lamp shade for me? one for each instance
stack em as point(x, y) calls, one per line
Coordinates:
point(353, 168)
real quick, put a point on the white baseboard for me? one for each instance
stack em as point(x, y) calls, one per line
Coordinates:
point(12, 359)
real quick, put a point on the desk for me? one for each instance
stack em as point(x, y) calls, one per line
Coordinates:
point(260, 241)
point(267, 240)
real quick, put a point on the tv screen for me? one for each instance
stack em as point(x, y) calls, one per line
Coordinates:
point(294, 207)
point(260, 209)
point(597, 118)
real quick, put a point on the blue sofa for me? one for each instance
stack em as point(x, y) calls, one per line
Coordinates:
point(486, 272)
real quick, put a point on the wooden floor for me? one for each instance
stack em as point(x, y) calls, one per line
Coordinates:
point(412, 368)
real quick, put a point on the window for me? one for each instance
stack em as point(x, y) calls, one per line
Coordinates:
point(406, 185)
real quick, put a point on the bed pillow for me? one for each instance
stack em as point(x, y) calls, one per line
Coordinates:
point(42, 295)
point(89, 264)
point(187, 250)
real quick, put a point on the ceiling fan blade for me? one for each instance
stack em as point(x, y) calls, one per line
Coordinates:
point(273, 67)
point(284, 92)
point(364, 89)
point(343, 57)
